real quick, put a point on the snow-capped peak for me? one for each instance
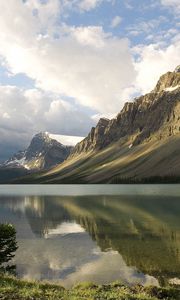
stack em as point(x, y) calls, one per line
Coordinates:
point(45, 150)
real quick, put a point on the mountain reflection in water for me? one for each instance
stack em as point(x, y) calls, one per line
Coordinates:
point(135, 239)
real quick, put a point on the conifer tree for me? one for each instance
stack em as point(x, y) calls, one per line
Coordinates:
point(8, 244)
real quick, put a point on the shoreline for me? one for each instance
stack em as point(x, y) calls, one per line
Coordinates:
point(18, 289)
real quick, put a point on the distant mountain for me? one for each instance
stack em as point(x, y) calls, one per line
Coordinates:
point(141, 144)
point(43, 153)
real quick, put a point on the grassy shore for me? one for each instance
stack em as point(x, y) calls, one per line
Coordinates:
point(15, 289)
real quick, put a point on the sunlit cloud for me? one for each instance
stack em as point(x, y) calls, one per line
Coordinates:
point(81, 61)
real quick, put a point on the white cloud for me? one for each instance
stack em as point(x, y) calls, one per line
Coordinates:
point(5, 115)
point(64, 118)
point(155, 61)
point(85, 63)
point(89, 36)
point(89, 4)
point(46, 11)
point(25, 112)
point(14, 105)
point(172, 3)
point(116, 21)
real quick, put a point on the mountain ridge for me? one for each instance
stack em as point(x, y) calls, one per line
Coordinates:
point(141, 142)
point(134, 118)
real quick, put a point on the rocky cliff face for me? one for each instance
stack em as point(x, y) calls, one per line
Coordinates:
point(94, 138)
point(154, 116)
point(42, 153)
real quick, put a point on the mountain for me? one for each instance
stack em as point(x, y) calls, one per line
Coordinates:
point(151, 117)
point(141, 143)
point(43, 152)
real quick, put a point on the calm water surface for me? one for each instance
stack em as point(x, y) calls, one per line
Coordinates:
point(102, 233)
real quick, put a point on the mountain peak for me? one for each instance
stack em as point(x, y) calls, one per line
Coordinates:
point(168, 80)
point(42, 153)
point(43, 136)
point(103, 122)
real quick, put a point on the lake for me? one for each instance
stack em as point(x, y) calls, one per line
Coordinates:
point(100, 233)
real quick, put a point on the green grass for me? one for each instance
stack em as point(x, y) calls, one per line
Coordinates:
point(15, 289)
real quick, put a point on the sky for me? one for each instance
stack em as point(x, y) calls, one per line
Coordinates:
point(66, 63)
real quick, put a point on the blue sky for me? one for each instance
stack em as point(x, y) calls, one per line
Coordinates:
point(133, 14)
point(66, 63)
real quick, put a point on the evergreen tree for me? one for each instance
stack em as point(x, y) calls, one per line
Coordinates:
point(8, 245)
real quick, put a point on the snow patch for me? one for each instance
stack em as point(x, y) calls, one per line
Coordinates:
point(130, 146)
point(171, 88)
point(27, 167)
point(18, 162)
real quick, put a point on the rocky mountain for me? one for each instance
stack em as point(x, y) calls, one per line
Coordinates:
point(155, 115)
point(43, 152)
point(141, 142)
